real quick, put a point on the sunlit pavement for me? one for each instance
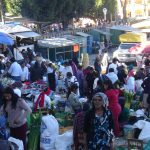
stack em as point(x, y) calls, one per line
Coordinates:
point(110, 53)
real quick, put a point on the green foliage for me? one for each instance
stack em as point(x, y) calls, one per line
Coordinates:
point(111, 6)
point(13, 6)
point(98, 3)
point(60, 10)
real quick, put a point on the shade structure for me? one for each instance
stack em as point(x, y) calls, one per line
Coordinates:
point(27, 34)
point(6, 39)
point(140, 49)
point(131, 37)
point(146, 50)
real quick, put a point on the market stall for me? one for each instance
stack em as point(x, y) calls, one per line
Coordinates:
point(24, 37)
point(55, 48)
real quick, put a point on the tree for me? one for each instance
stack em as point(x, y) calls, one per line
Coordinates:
point(124, 9)
point(111, 6)
point(13, 6)
point(59, 10)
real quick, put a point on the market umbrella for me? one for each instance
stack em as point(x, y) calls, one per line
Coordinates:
point(140, 49)
point(6, 39)
point(146, 50)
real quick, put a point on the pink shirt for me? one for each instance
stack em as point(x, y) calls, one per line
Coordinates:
point(17, 117)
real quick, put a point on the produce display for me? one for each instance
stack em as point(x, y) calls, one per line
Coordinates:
point(128, 97)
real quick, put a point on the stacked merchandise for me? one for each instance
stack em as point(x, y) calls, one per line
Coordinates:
point(64, 119)
point(6, 82)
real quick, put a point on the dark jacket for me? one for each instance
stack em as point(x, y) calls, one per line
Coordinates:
point(146, 85)
point(36, 72)
point(97, 67)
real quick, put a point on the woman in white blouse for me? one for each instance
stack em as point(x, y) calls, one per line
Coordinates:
point(25, 72)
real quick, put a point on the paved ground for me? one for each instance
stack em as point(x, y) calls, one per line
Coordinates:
point(92, 59)
point(93, 56)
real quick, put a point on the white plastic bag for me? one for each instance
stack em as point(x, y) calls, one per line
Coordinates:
point(49, 132)
point(19, 143)
point(64, 141)
point(145, 133)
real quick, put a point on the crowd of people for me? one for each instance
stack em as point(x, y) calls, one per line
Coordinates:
point(106, 114)
point(97, 120)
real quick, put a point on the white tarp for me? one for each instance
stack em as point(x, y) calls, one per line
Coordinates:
point(124, 28)
point(145, 133)
point(55, 42)
point(27, 34)
point(13, 28)
point(82, 34)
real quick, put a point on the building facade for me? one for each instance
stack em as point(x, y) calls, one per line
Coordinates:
point(134, 8)
point(137, 8)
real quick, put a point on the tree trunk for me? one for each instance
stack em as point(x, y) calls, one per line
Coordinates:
point(124, 9)
point(65, 24)
point(39, 28)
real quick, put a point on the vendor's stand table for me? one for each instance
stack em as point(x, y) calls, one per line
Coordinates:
point(120, 144)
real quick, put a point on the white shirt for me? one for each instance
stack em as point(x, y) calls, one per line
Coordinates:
point(49, 70)
point(138, 86)
point(105, 59)
point(65, 70)
point(61, 68)
point(47, 101)
point(95, 83)
point(139, 58)
point(73, 79)
point(131, 84)
point(112, 76)
point(114, 66)
point(15, 69)
point(25, 74)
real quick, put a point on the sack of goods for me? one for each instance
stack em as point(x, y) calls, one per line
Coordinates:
point(64, 141)
point(49, 132)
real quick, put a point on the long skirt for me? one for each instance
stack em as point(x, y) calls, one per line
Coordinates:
point(52, 81)
point(20, 133)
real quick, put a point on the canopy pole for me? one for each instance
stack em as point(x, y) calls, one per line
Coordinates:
point(48, 53)
point(55, 53)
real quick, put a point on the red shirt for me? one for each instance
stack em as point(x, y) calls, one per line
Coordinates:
point(112, 95)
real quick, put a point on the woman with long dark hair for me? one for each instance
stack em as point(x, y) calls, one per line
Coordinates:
point(98, 124)
point(17, 110)
point(114, 107)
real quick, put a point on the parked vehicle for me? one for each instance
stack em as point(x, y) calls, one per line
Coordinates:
point(123, 54)
point(128, 41)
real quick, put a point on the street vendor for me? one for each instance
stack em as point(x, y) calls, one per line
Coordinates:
point(42, 100)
